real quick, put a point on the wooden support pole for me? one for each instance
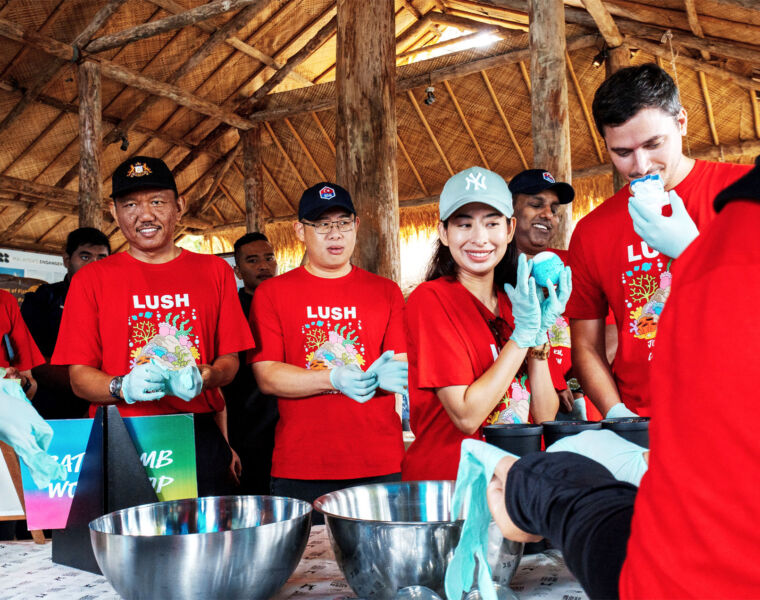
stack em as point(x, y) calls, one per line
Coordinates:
point(253, 183)
point(617, 58)
point(90, 193)
point(366, 129)
point(604, 22)
point(550, 117)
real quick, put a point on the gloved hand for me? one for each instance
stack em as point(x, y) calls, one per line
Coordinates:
point(526, 306)
point(554, 304)
point(351, 381)
point(620, 411)
point(27, 433)
point(185, 383)
point(392, 375)
point(144, 383)
point(669, 235)
point(476, 466)
point(624, 459)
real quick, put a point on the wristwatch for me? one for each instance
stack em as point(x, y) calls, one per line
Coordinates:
point(540, 352)
point(115, 387)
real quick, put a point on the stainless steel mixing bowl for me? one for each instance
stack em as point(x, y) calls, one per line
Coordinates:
point(223, 547)
point(394, 535)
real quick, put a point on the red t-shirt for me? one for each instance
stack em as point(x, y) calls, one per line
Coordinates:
point(319, 323)
point(27, 355)
point(117, 305)
point(694, 531)
point(613, 267)
point(451, 343)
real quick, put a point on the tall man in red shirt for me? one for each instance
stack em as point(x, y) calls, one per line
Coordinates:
point(317, 330)
point(156, 330)
point(622, 256)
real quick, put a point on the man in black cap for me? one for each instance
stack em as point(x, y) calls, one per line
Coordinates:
point(156, 330)
point(42, 310)
point(317, 330)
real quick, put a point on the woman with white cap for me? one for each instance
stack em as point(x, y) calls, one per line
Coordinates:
point(477, 329)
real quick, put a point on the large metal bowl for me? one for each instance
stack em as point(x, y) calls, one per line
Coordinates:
point(222, 547)
point(394, 535)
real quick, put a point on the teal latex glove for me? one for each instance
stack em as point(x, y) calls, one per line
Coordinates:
point(554, 304)
point(144, 383)
point(526, 306)
point(620, 411)
point(477, 463)
point(624, 459)
point(185, 383)
point(669, 235)
point(351, 381)
point(392, 375)
point(26, 432)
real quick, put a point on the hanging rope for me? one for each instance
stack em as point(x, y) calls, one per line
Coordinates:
point(668, 36)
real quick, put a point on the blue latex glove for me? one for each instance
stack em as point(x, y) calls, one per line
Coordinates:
point(624, 459)
point(554, 304)
point(526, 306)
point(620, 411)
point(185, 383)
point(477, 463)
point(144, 383)
point(351, 381)
point(26, 432)
point(392, 375)
point(669, 235)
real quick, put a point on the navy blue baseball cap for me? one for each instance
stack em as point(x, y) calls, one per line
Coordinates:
point(535, 181)
point(324, 196)
point(141, 172)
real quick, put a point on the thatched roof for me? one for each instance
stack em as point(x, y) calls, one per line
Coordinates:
point(481, 115)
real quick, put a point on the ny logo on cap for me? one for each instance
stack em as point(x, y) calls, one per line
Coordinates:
point(478, 180)
point(548, 177)
point(138, 170)
point(327, 193)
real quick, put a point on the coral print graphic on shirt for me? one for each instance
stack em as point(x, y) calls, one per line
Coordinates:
point(515, 406)
point(161, 336)
point(559, 333)
point(647, 288)
point(328, 344)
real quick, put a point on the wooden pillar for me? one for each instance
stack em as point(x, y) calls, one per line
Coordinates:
point(366, 129)
point(254, 178)
point(550, 117)
point(90, 195)
point(617, 58)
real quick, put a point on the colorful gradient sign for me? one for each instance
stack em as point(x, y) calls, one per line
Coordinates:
point(165, 444)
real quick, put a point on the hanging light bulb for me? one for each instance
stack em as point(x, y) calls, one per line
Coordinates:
point(429, 95)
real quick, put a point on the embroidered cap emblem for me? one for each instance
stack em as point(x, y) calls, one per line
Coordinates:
point(138, 170)
point(327, 193)
point(478, 181)
point(548, 177)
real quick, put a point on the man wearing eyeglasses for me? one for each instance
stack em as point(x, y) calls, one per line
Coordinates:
point(326, 336)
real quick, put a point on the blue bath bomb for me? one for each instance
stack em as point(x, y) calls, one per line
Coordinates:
point(547, 265)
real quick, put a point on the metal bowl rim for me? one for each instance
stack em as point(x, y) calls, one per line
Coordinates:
point(318, 503)
point(309, 509)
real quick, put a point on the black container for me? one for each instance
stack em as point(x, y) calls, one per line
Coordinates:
point(634, 429)
point(556, 430)
point(517, 438)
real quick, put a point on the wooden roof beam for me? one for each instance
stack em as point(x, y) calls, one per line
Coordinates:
point(276, 187)
point(464, 14)
point(504, 120)
point(755, 111)
point(323, 131)
point(604, 22)
point(409, 161)
point(178, 21)
point(708, 107)
point(430, 133)
point(584, 108)
point(467, 127)
point(285, 155)
point(50, 229)
point(452, 42)
point(305, 149)
point(232, 200)
point(220, 174)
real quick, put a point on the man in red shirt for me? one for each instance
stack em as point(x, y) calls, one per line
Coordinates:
point(318, 328)
point(690, 533)
point(156, 330)
point(622, 256)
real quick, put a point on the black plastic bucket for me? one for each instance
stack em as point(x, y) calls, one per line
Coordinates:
point(556, 430)
point(634, 429)
point(517, 438)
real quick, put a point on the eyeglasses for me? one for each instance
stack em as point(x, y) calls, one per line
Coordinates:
point(325, 227)
point(500, 330)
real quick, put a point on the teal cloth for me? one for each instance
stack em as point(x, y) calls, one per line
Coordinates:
point(185, 383)
point(22, 428)
point(477, 463)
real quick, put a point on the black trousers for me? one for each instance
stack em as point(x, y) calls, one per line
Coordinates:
point(581, 508)
point(212, 458)
point(311, 489)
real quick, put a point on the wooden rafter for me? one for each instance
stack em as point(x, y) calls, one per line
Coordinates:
point(50, 230)
point(467, 127)
point(411, 165)
point(475, 21)
point(323, 131)
point(178, 21)
point(755, 111)
point(504, 120)
point(232, 200)
point(584, 108)
point(430, 133)
point(22, 220)
point(276, 187)
point(305, 149)
point(219, 177)
point(285, 154)
point(604, 22)
point(708, 107)
point(452, 42)
point(488, 20)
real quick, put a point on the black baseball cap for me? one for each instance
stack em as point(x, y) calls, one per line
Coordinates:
point(140, 172)
point(320, 198)
point(534, 181)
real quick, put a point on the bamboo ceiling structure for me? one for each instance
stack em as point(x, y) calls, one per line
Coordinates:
point(182, 78)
